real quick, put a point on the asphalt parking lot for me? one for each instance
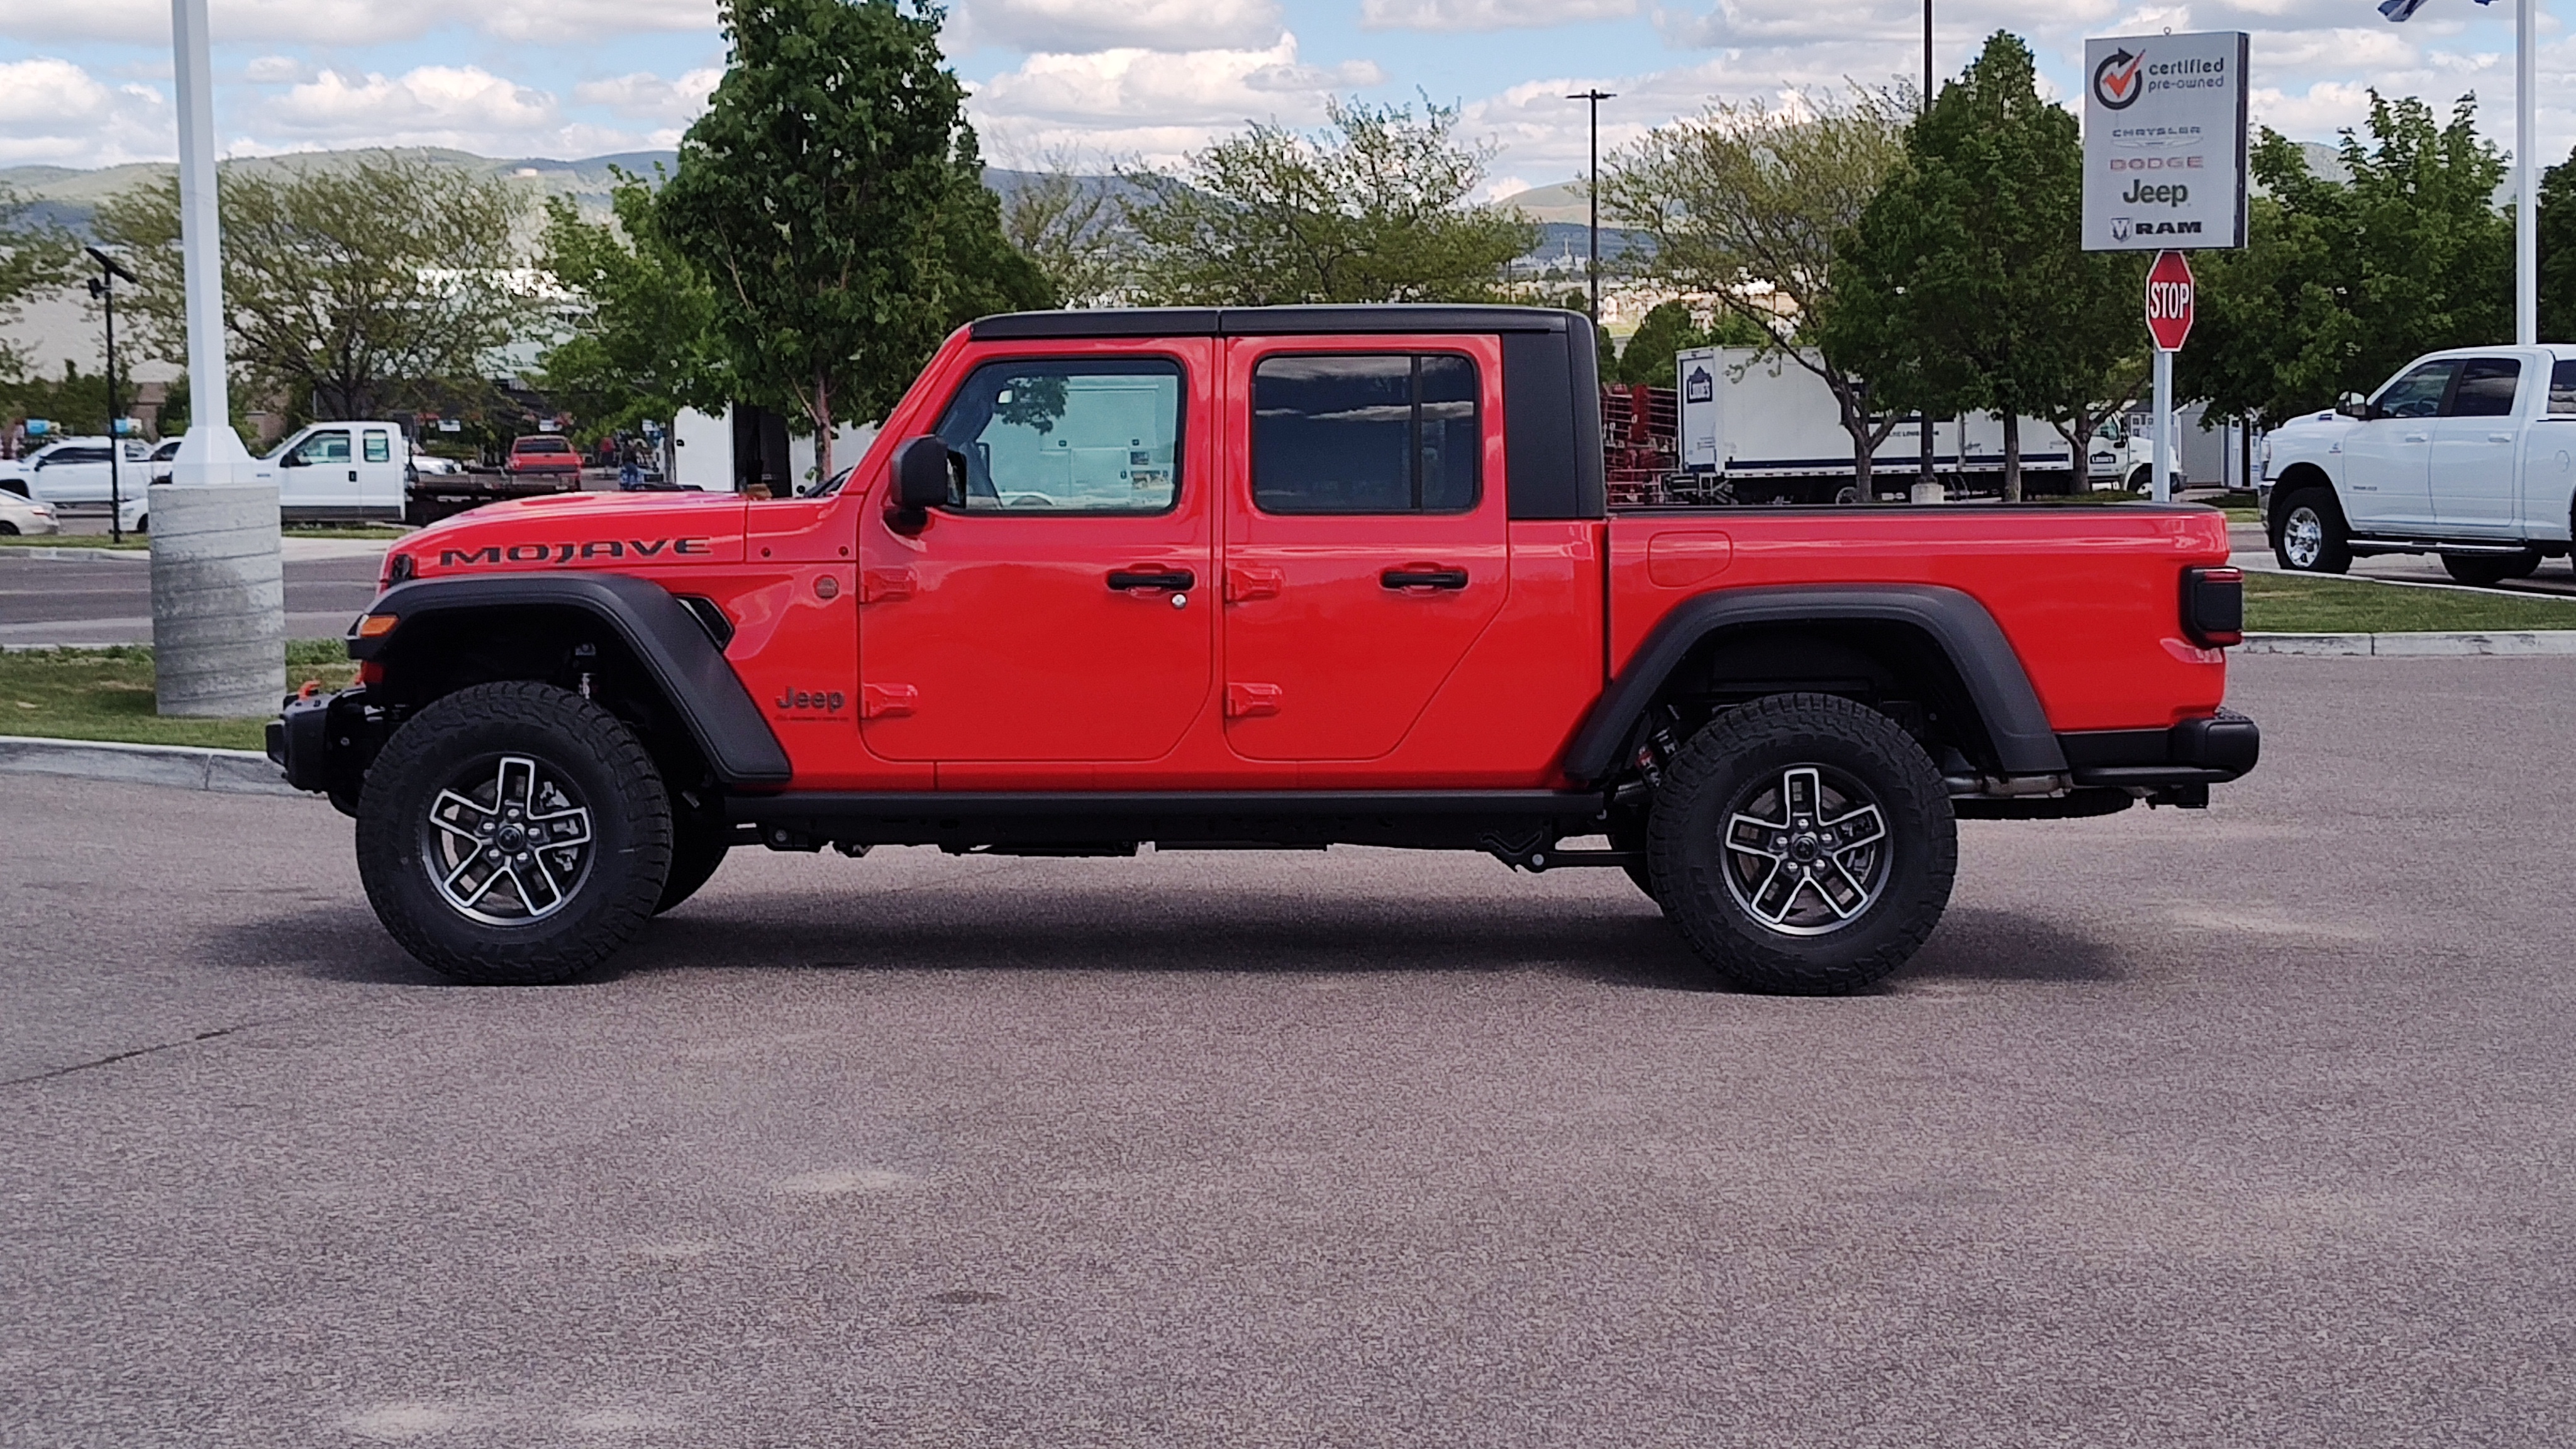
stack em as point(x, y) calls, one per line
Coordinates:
point(2252, 1127)
point(109, 600)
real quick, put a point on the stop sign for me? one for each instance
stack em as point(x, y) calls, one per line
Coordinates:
point(2169, 300)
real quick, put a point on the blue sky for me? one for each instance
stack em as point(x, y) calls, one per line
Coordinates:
point(87, 84)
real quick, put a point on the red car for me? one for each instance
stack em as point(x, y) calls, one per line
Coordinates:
point(541, 455)
point(1260, 579)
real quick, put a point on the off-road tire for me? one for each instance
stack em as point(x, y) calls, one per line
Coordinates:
point(1724, 768)
point(2485, 570)
point(2333, 553)
point(697, 848)
point(604, 768)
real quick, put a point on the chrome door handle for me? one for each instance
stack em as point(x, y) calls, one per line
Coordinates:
point(2499, 437)
point(2416, 438)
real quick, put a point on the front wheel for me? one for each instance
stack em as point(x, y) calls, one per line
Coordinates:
point(2309, 537)
point(513, 834)
point(1803, 844)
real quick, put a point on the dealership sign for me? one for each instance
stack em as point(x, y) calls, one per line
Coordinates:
point(2164, 142)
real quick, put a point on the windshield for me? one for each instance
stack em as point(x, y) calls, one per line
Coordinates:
point(833, 484)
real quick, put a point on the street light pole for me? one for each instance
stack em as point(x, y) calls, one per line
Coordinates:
point(1927, 55)
point(2526, 185)
point(103, 287)
point(1596, 96)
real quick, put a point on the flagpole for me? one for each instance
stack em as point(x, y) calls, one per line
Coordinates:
point(2526, 185)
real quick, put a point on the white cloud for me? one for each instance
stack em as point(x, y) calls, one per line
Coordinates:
point(1487, 14)
point(272, 70)
point(55, 112)
point(644, 96)
point(1065, 26)
point(465, 107)
point(353, 22)
point(1153, 104)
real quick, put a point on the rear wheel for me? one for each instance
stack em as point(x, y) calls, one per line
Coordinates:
point(1803, 843)
point(513, 834)
point(2482, 570)
point(2308, 533)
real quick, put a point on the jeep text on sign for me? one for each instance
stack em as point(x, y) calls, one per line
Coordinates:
point(2164, 141)
point(2169, 300)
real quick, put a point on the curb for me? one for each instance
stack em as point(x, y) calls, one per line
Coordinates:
point(72, 552)
point(2560, 642)
point(182, 767)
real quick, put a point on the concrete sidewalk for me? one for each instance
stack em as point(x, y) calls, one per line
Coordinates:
point(182, 767)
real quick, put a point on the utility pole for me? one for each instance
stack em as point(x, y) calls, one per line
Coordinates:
point(218, 592)
point(1927, 55)
point(1596, 96)
point(1927, 485)
point(103, 287)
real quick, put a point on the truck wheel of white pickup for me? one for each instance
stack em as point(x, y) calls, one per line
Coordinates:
point(2309, 535)
point(1803, 844)
point(513, 834)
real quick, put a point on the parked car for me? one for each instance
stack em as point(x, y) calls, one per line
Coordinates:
point(161, 457)
point(339, 472)
point(1262, 578)
point(543, 454)
point(75, 470)
point(2468, 453)
point(23, 515)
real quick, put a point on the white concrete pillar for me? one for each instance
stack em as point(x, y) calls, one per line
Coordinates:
point(218, 600)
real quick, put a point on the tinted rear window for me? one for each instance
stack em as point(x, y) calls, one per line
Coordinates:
point(2486, 388)
point(2562, 388)
point(544, 445)
point(1367, 433)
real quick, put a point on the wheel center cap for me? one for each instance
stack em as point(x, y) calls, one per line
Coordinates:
point(1803, 848)
point(512, 837)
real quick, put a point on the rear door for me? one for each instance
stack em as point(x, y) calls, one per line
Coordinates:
point(379, 488)
point(1367, 543)
point(73, 473)
point(2388, 460)
point(1060, 610)
point(2474, 450)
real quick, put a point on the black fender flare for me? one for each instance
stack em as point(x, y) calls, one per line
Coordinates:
point(665, 638)
point(1957, 624)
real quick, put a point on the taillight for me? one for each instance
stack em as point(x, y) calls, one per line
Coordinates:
point(2213, 606)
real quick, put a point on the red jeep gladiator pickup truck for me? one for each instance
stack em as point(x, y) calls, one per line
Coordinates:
point(1258, 579)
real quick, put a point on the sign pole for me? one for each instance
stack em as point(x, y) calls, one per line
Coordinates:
point(2162, 488)
point(2526, 194)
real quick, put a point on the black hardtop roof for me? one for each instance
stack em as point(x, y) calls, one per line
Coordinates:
point(1267, 321)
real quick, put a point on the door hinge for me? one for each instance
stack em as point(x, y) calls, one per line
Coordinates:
point(881, 701)
point(880, 584)
point(1243, 701)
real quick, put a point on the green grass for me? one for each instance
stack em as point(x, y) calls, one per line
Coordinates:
point(2293, 604)
point(133, 541)
point(106, 694)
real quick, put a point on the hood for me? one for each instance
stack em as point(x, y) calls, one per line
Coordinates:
point(2327, 421)
point(630, 532)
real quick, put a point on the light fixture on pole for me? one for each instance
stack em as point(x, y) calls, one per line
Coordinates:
point(1595, 97)
point(218, 593)
point(103, 287)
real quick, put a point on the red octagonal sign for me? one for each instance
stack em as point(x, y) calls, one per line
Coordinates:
point(2169, 300)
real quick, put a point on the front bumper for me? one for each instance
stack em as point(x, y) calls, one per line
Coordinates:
point(323, 742)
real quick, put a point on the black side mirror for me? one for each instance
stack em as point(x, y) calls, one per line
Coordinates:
point(924, 475)
point(2354, 405)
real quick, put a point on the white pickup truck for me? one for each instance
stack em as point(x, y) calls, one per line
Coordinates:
point(2469, 453)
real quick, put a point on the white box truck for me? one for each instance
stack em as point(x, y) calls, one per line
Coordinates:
point(1770, 429)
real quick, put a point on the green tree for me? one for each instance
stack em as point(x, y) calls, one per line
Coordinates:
point(639, 342)
point(1965, 284)
point(1744, 204)
point(834, 197)
point(1374, 208)
point(2343, 282)
point(348, 290)
point(2558, 252)
point(35, 257)
point(1661, 334)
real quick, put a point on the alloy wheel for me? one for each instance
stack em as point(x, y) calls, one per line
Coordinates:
point(1806, 851)
point(507, 842)
point(2303, 537)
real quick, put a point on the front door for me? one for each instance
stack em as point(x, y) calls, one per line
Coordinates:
point(1366, 537)
point(321, 475)
point(2475, 445)
point(1061, 608)
point(2388, 459)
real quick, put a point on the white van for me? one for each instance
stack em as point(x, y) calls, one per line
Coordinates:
point(339, 472)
